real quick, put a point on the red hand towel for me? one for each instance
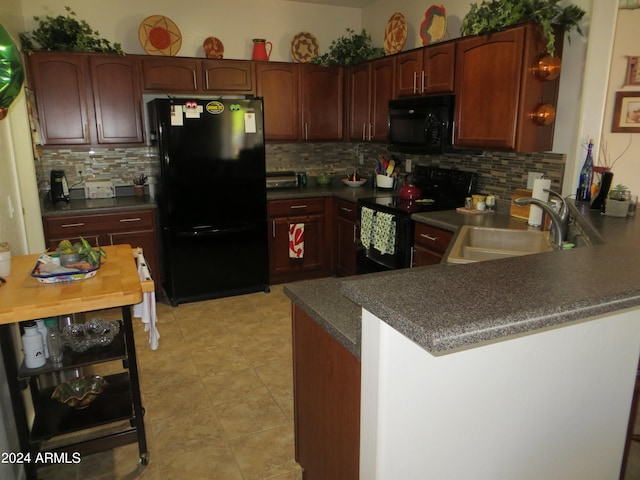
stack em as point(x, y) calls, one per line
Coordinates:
point(296, 240)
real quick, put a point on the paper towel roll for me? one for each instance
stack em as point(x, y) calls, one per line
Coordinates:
point(535, 214)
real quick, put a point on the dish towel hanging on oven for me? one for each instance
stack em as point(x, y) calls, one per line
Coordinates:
point(146, 310)
point(366, 226)
point(296, 240)
point(384, 233)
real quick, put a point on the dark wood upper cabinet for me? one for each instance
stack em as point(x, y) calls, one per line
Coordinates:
point(426, 70)
point(278, 83)
point(497, 93)
point(87, 99)
point(322, 94)
point(228, 76)
point(62, 90)
point(371, 87)
point(171, 74)
point(117, 99)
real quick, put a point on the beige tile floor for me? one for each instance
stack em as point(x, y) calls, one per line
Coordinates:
point(217, 393)
point(218, 397)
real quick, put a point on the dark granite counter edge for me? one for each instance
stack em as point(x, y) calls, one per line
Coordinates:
point(81, 206)
point(339, 317)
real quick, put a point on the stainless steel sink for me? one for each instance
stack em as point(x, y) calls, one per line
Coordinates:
point(475, 244)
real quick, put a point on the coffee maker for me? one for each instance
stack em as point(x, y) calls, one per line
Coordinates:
point(59, 187)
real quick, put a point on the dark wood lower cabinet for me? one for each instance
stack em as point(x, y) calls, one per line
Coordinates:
point(326, 403)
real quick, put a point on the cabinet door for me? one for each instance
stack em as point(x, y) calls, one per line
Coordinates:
point(327, 382)
point(488, 88)
point(383, 74)
point(61, 87)
point(346, 237)
point(314, 245)
point(438, 65)
point(360, 103)
point(171, 74)
point(322, 102)
point(277, 83)
point(408, 67)
point(117, 98)
point(228, 76)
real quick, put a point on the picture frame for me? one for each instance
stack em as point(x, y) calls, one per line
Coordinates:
point(633, 72)
point(626, 113)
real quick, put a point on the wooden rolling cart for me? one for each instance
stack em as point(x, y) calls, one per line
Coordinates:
point(115, 418)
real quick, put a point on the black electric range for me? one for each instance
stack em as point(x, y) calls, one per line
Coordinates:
point(442, 189)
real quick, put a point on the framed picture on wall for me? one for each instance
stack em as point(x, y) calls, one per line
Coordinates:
point(626, 113)
point(633, 73)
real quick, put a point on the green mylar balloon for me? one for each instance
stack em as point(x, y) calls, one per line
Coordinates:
point(11, 71)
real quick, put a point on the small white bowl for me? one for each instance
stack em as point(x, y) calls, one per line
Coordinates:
point(354, 183)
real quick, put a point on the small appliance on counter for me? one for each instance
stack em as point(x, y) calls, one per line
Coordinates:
point(59, 187)
point(283, 179)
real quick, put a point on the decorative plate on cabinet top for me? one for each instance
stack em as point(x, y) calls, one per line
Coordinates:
point(304, 47)
point(395, 35)
point(158, 35)
point(213, 47)
point(434, 26)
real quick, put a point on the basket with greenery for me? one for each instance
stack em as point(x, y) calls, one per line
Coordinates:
point(65, 33)
point(495, 15)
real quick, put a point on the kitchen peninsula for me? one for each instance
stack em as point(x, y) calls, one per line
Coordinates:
point(515, 368)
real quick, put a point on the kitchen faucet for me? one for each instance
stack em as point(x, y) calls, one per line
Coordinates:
point(560, 222)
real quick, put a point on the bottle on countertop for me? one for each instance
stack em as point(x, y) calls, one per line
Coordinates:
point(54, 341)
point(586, 176)
point(33, 346)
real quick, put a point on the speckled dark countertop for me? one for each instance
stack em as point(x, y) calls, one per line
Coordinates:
point(445, 308)
point(104, 205)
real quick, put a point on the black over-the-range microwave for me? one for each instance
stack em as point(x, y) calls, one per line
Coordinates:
point(421, 124)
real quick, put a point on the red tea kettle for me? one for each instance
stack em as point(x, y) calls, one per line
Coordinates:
point(410, 192)
point(260, 49)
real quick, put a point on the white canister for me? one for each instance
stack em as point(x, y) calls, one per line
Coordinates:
point(5, 261)
point(33, 347)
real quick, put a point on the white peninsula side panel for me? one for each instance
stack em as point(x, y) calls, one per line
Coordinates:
point(553, 404)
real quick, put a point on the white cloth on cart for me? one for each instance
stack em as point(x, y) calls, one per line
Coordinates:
point(146, 310)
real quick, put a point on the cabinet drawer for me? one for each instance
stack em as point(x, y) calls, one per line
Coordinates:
point(73, 225)
point(432, 238)
point(298, 206)
point(347, 210)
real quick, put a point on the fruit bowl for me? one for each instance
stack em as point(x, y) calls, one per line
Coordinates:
point(80, 392)
point(354, 183)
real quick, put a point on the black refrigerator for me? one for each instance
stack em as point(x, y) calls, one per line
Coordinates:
point(212, 200)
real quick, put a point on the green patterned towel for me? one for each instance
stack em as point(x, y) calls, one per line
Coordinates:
point(384, 233)
point(366, 226)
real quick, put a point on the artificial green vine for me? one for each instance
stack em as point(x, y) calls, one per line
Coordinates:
point(350, 50)
point(65, 34)
point(494, 15)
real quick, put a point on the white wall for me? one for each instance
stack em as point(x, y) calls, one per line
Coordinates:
point(234, 22)
point(550, 405)
point(627, 169)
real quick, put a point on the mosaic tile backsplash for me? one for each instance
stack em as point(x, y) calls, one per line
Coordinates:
point(498, 173)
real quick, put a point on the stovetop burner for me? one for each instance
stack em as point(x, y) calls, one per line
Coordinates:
point(441, 189)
